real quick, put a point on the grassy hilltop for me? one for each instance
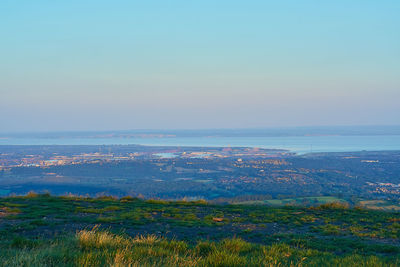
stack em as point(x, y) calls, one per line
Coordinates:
point(41, 230)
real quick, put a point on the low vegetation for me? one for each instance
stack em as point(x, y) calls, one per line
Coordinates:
point(41, 230)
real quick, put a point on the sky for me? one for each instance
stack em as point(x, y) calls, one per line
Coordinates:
point(169, 64)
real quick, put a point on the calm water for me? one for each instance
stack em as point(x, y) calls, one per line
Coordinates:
point(299, 144)
point(4, 192)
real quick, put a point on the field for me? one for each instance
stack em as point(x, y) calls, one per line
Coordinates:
point(380, 205)
point(41, 230)
point(297, 201)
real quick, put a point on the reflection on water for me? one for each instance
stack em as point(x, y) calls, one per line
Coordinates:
point(166, 155)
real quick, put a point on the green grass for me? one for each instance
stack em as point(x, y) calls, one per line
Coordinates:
point(41, 230)
point(102, 248)
point(297, 201)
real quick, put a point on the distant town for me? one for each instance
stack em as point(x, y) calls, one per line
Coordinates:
point(42, 156)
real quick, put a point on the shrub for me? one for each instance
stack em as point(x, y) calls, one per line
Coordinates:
point(97, 239)
point(157, 201)
point(236, 245)
point(31, 194)
point(223, 258)
point(333, 205)
point(204, 248)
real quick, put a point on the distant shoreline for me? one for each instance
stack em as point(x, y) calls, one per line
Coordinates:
point(296, 144)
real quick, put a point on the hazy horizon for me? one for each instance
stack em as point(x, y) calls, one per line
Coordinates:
point(285, 127)
point(272, 131)
point(122, 65)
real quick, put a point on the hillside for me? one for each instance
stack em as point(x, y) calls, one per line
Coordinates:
point(41, 230)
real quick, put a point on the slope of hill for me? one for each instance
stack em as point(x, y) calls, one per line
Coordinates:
point(41, 230)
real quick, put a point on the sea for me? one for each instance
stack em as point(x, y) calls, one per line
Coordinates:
point(296, 144)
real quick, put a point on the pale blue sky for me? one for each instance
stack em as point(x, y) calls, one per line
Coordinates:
point(108, 65)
